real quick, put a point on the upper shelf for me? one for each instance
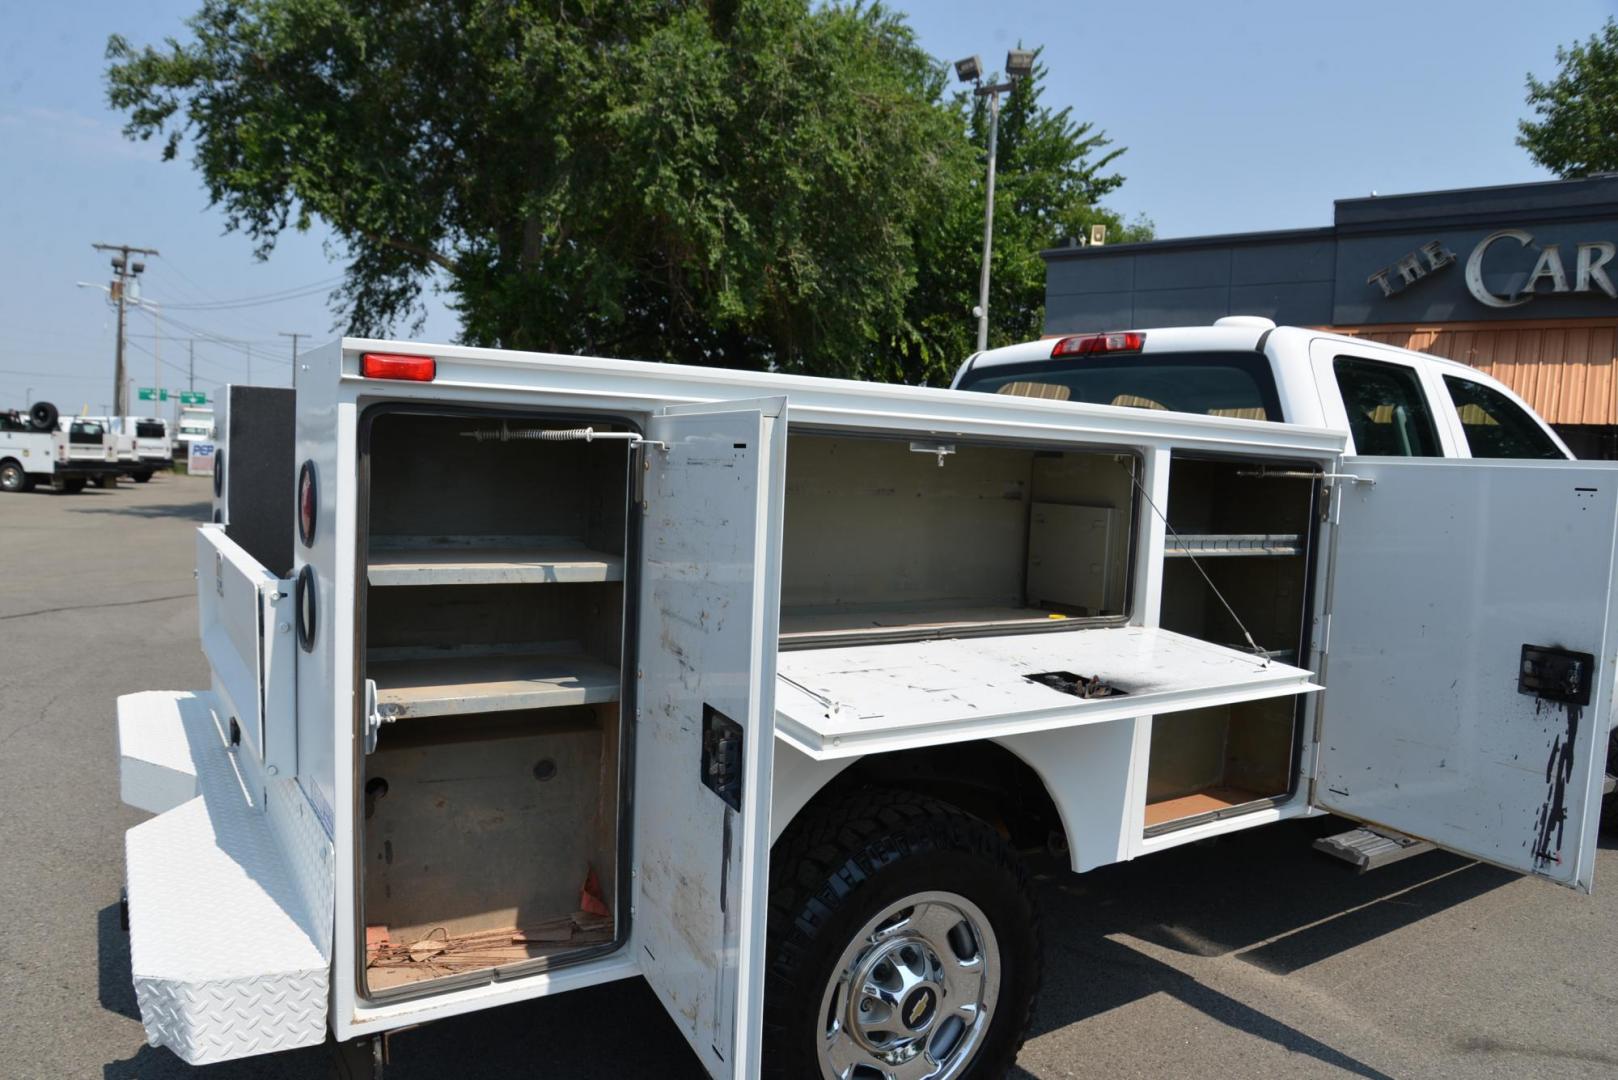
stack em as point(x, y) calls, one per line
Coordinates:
point(1216, 545)
point(488, 560)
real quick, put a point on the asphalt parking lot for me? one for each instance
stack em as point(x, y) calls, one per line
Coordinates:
point(1250, 956)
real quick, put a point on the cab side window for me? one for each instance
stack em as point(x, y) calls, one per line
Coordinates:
point(1495, 426)
point(1387, 412)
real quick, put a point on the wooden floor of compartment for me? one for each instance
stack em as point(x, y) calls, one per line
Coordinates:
point(1201, 802)
point(396, 963)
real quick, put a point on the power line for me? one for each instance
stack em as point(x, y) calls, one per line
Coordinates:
point(259, 301)
point(244, 347)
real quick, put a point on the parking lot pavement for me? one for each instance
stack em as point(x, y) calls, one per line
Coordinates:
point(1249, 956)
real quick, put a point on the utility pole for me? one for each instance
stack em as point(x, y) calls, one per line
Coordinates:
point(294, 338)
point(126, 269)
point(157, 364)
point(249, 363)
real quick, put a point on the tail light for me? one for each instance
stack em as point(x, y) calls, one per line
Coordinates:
point(307, 501)
point(391, 366)
point(1117, 341)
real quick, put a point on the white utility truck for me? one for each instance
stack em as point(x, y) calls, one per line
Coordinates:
point(33, 450)
point(754, 686)
point(144, 446)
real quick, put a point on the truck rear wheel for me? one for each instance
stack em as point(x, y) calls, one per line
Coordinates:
point(12, 476)
point(106, 480)
point(903, 943)
point(141, 477)
point(69, 485)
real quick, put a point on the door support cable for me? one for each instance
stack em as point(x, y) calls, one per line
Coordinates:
point(1257, 651)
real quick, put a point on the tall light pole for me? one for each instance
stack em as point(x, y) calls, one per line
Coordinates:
point(1019, 65)
point(126, 268)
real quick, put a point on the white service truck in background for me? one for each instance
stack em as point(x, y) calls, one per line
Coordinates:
point(770, 683)
point(196, 424)
point(144, 446)
point(34, 450)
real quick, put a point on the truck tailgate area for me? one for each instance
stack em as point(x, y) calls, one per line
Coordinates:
point(228, 954)
point(865, 698)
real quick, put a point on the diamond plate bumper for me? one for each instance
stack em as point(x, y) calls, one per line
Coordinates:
point(230, 958)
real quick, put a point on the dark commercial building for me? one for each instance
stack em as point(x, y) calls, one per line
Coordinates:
point(1519, 281)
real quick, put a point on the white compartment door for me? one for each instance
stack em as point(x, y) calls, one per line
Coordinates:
point(705, 728)
point(1442, 572)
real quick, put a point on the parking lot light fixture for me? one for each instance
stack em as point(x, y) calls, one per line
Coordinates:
point(1019, 65)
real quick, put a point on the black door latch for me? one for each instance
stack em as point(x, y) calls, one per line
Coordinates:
point(722, 756)
point(1556, 674)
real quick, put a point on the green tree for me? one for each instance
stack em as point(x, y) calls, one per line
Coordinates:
point(752, 183)
point(1577, 130)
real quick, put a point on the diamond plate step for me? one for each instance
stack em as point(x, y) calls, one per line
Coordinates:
point(228, 958)
point(1369, 849)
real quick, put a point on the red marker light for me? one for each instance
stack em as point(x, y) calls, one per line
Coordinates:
point(1117, 341)
point(390, 366)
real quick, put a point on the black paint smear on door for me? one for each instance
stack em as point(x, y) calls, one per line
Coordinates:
point(1551, 826)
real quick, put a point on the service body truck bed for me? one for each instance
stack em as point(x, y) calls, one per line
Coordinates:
point(577, 655)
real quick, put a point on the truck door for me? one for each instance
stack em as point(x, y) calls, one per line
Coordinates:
point(705, 719)
point(1469, 653)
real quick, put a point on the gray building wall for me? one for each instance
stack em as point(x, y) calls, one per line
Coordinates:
point(1319, 277)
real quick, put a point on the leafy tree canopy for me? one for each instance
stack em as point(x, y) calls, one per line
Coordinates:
point(749, 183)
point(1577, 130)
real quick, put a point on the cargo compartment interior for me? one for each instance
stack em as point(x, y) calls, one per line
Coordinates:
point(494, 635)
point(1251, 536)
point(886, 538)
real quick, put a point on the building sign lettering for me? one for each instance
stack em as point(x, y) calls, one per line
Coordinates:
point(1549, 273)
point(1412, 268)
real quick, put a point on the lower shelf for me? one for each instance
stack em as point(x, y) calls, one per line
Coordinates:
point(461, 683)
point(1198, 803)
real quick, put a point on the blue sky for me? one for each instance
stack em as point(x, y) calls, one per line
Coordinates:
point(1237, 116)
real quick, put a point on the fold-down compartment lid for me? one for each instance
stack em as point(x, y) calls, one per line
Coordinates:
point(866, 699)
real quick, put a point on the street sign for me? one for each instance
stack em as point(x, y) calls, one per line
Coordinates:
point(193, 397)
point(146, 393)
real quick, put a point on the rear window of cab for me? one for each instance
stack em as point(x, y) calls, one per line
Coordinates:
point(1221, 383)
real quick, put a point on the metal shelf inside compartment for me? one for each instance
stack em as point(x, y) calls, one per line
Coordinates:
point(466, 681)
point(488, 560)
point(1221, 545)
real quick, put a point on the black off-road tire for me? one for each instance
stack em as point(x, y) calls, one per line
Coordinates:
point(842, 866)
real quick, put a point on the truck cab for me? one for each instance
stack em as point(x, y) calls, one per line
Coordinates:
point(759, 688)
point(1387, 401)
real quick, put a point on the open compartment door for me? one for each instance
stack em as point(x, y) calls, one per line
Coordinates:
point(705, 729)
point(1469, 648)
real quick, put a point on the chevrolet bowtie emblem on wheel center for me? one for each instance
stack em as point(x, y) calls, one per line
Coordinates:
point(919, 1008)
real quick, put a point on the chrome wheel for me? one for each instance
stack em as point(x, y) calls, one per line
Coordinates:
point(11, 477)
point(912, 996)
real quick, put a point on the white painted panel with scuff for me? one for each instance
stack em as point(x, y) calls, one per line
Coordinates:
point(707, 639)
point(1442, 572)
